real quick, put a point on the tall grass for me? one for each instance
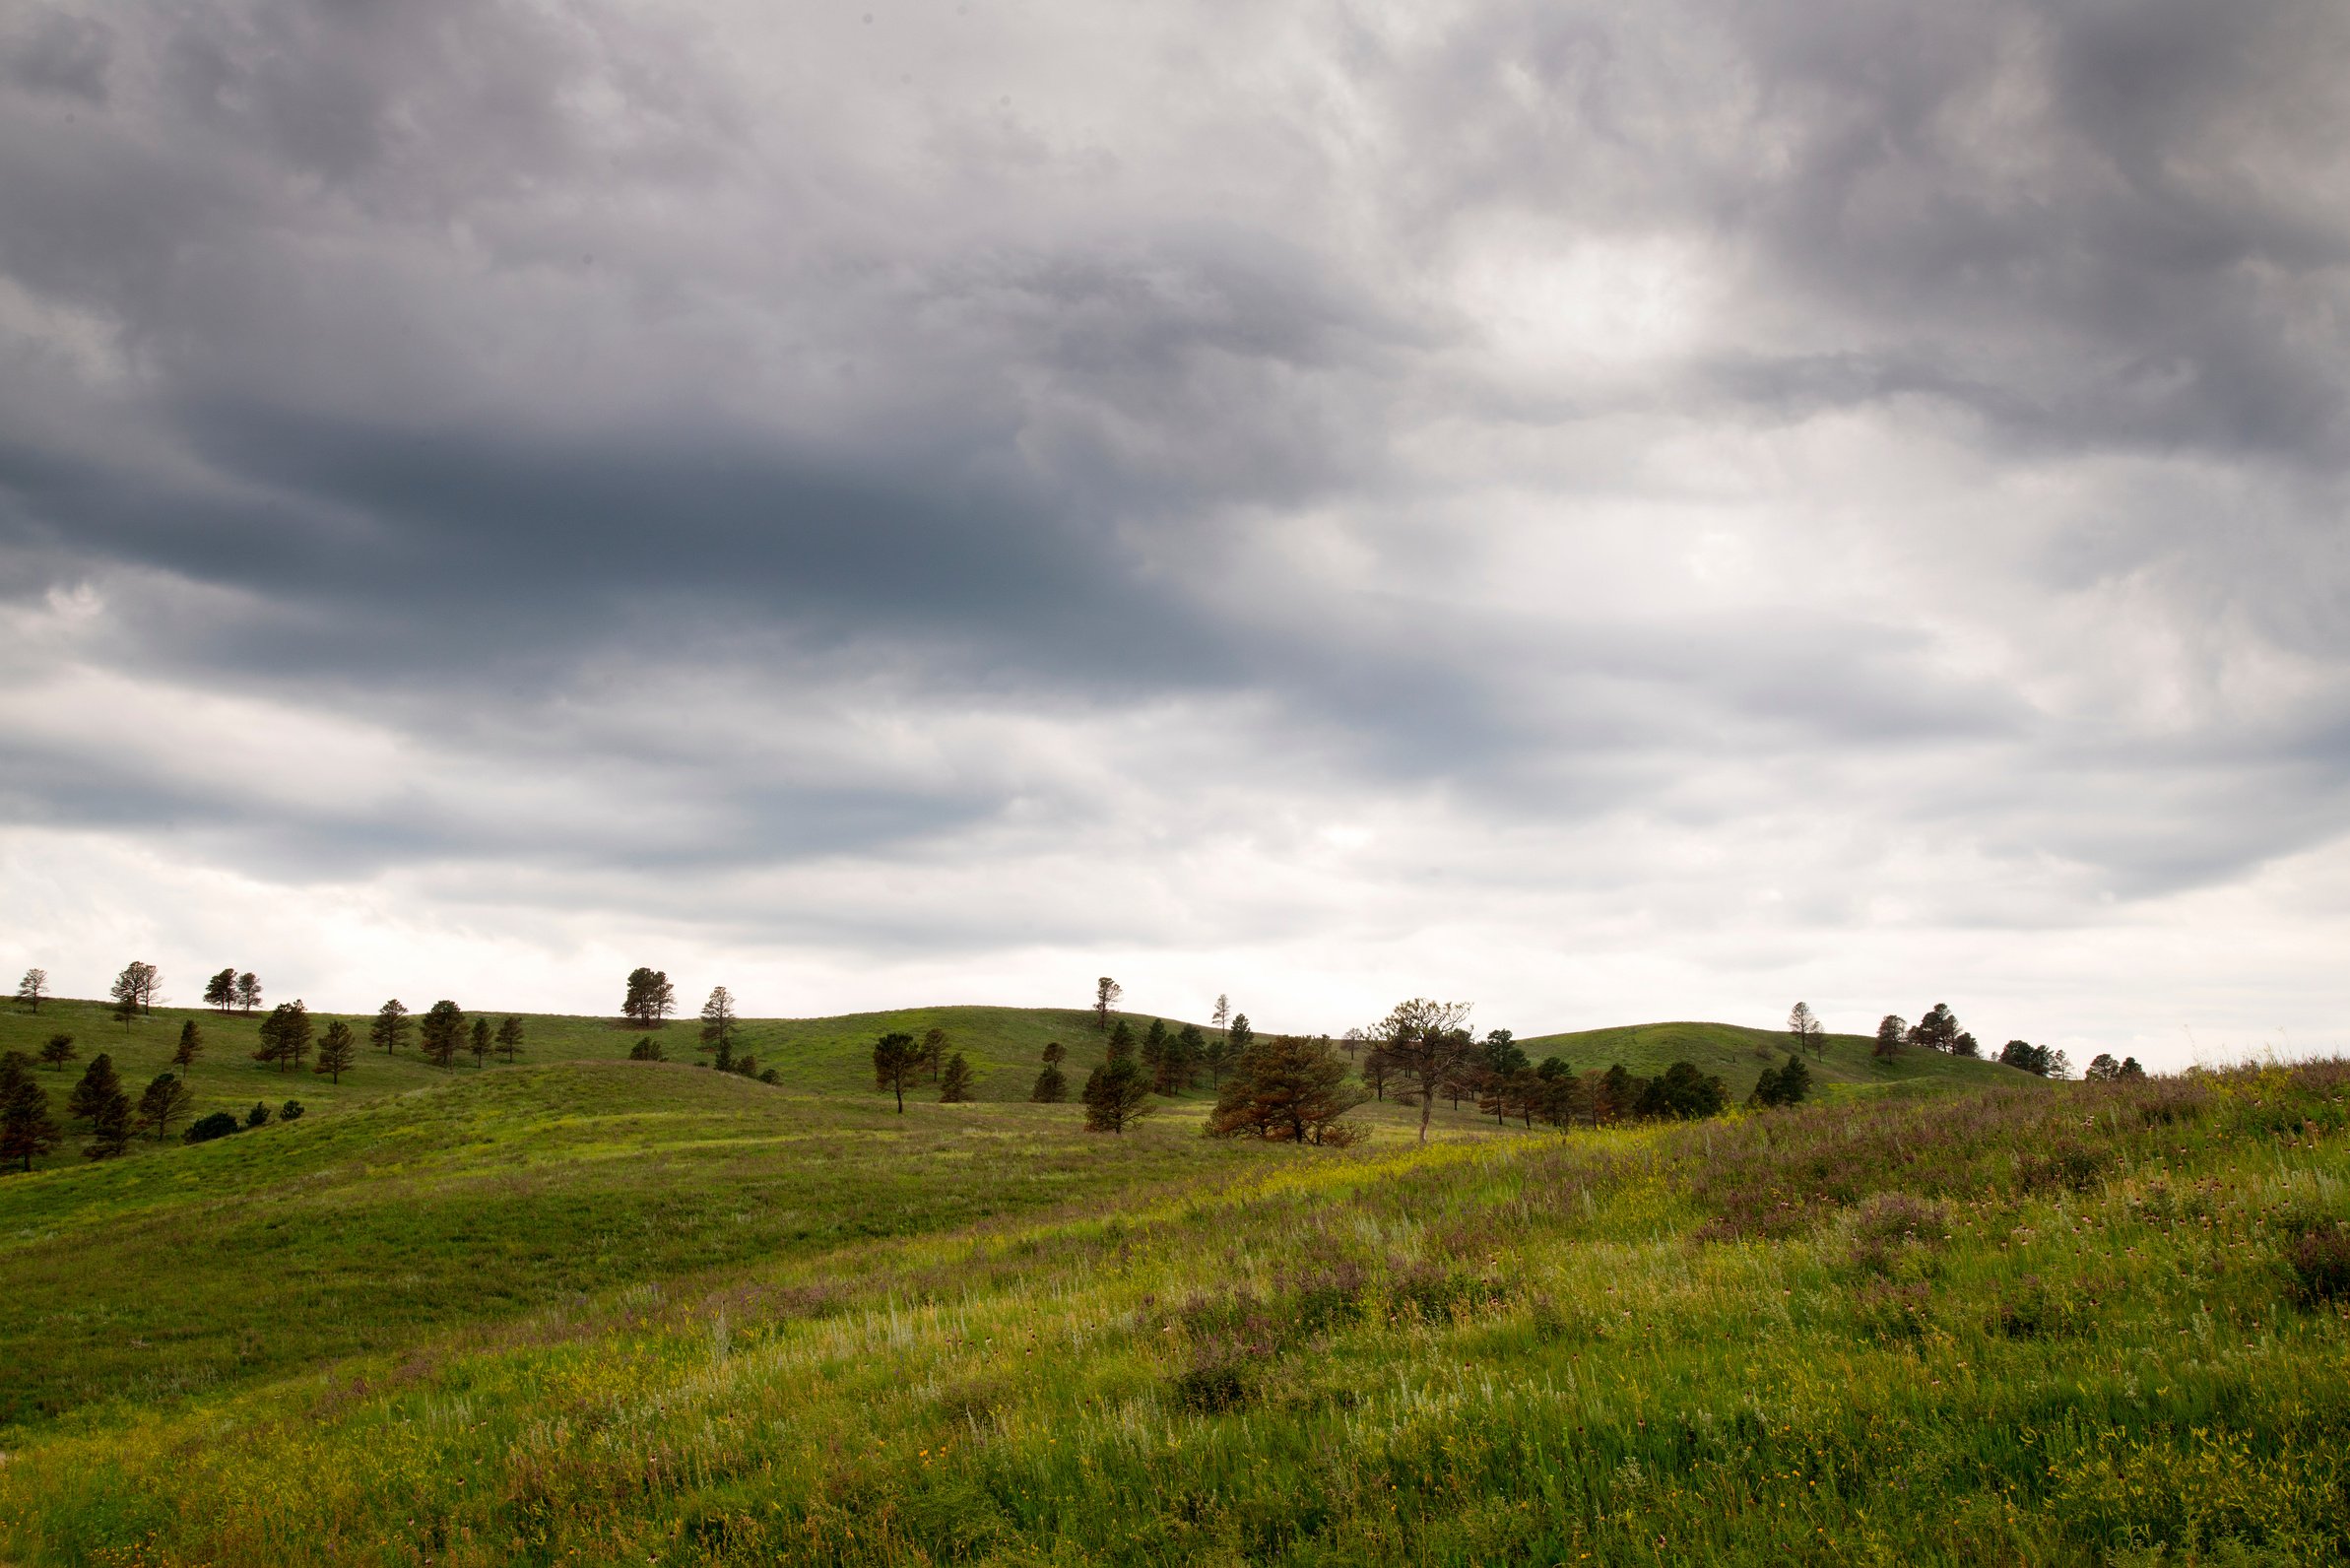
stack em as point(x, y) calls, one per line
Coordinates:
point(2011, 1327)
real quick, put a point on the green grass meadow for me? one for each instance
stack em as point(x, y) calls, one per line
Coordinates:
point(583, 1310)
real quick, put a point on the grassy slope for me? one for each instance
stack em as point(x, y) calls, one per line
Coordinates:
point(2007, 1327)
point(1741, 1054)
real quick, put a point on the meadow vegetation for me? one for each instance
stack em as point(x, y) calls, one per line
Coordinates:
point(584, 1309)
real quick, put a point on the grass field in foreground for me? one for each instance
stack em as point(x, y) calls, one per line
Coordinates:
point(2012, 1326)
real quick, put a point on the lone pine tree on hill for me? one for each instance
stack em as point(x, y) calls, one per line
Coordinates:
point(99, 1080)
point(56, 1051)
point(509, 1040)
point(1106, 993)
point(337, 1048)
point(1805, 1025)
point(389, 1029)
point(954, 1084)
point(26, 1130)
point(99, 1100)
point(443, 1033)
point(895, 1057)
point(33, 988)
point(1891, 1032)
point(191, 1044)
point(718, 1026)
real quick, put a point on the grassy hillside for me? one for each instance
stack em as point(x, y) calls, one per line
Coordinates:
point(1741, 1054)
point(2105, 1323)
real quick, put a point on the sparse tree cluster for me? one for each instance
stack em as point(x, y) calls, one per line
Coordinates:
point(650, 999)
point(2045, 1061)
point(2103, 1068)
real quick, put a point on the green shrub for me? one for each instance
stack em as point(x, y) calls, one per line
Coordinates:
point(220, 1123)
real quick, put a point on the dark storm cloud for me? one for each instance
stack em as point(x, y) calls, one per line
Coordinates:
point(467, 347)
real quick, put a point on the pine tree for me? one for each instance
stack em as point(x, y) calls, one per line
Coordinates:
point(56, 1051)
point(337, 1047)
point(1121, 1047)
point(482, 1041)
point(33, 988)
point(509, 1040)
point(191, 1045)
point(1289, 1090)
point(1222, 1013)
point(165, 1101)
point(1890, 1032)
point(26, 1130)
point(286, 1036)
point(650, 997)
point(390, 1029)
point(443, 1033)
point(98, 1082)
point(1106, 993)
point(1117, 1094)
point(895, 1057)
point(933, 1050)
point(1052, 1086)
point(109, 1123)
point(248, 992)
point(646, 1049)
point(135, 988)
point(718, 1026)
point(954, 1084)
point(258, 1116)
point(221, 990)
point(124, 1009)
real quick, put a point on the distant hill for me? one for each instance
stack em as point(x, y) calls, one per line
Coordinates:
point(833, 1055)
point(1741, 1054)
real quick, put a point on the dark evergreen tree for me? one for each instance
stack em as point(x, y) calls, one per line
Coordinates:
point(509, 1040)
point(26, 1130)
point(248, 992)
point(191, 1045)
point(286, 1036)
point(442, 1035)
point(109, 1126)
point(136, 987)
point(718, 1026)
point(480, 1039)
point(1683, 1093)
point(954, 1084)
point(1891, 1032)
point(2130, 1069)
point(1050, 1086)
point(1215, 1054)
point(1238, 1036)
point(1937, 1030)
point(934, 1052)
point(1289, 1090)
point(389, 1030)
point(1194, 1045)
point(1616, 1097)
point(646, 1049)
point(290, 1111)
point(56, 1051)
point(650, 997)
point(221, 990)
point(258, 1116)
point(896, 1057)
point(1121, 1047)
point(1117, 1094)
point(99, 1081)
point(338, 1048)
point(165, 1100)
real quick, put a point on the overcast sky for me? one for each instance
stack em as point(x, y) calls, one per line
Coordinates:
point(1617, 513)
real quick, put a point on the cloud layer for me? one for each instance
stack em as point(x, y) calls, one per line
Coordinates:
point(1620, 511)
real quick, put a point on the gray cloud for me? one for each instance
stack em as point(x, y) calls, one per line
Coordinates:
point(695, 445)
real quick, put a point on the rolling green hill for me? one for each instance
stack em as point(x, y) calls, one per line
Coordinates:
point(1739, 1054)
point(608, 1312)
